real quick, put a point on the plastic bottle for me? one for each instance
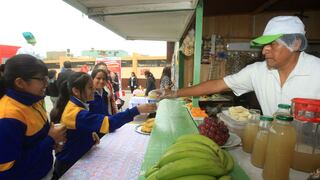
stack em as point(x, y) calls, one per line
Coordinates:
point(280, 149)
point(260, 143)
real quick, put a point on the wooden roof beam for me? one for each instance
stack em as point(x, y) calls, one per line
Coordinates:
point(264, 6)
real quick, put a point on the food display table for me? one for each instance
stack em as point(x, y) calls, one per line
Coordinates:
point(126, 154)
point(118, 156)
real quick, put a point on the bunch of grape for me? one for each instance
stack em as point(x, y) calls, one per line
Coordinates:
point(215, 130)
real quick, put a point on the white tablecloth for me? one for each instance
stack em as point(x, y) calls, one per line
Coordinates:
point(118, 157)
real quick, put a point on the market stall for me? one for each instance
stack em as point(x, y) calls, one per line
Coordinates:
point(127, 154)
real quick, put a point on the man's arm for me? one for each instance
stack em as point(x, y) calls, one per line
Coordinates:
point(208, 87)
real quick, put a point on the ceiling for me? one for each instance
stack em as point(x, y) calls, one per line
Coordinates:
point(166, 20)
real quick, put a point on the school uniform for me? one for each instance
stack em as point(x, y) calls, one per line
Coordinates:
point(26, 148)
point(81, 123)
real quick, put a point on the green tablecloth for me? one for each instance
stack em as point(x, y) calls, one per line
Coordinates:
point(172, 121)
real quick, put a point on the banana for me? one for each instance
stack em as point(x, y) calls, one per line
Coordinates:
point(225, 178)
point(190, 146)
point(171, 157)
point(150, 171)
point(153, 175)
point(196, 177)
point(203, 140)
point(229, 163)
point(198, 138)
point(190, 166)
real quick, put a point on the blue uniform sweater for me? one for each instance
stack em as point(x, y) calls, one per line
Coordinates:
point(26, 148)
point(81, 124)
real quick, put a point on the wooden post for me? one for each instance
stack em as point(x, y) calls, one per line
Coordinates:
point(197, 49)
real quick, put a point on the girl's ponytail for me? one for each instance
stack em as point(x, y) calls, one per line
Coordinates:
point(2, 87)
point(56, 112)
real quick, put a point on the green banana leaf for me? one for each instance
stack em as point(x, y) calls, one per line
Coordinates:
point(172, 121)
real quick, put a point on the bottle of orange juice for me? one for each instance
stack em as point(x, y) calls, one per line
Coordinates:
point(260, 143)
point(280, 148)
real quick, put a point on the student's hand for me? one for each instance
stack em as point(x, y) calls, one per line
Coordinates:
point(147, 108)
point(164, 93)
point(58, 133)
point(58, 147)
point(95, 138)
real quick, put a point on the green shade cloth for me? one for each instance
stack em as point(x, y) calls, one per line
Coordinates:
point(172, 121)
point(266, 39)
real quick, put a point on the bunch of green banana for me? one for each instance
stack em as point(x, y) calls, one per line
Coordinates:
point(193, 156)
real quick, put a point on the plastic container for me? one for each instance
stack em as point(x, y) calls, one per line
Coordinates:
point(307, 150)
point(260, 143)
point(234, 126)
point(280, 149)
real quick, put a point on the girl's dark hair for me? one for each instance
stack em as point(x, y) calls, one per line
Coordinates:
point(77, 80)
point(147, 73)
point(99, 64)
point(96, 71)
point(166, 72)
point(52, 74)
point(132, 73)
point(22, 66)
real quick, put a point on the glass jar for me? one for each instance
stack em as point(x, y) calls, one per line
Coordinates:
point(260, 143)
point(280, 148)
point(249, 135)
point(283, 109)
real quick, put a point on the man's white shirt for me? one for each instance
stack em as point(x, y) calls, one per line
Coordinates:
point(303, 82)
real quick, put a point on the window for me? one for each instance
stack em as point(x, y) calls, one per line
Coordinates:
point(126, 63)
point(152, 63)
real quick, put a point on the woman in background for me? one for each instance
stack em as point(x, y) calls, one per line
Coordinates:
point(165, 80)
point(133, 82)
point(151, 82)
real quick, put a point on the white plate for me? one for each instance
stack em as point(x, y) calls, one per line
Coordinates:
point(138, 130)
point(233, 140)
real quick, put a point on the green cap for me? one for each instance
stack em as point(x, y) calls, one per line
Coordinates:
point(284, 118)
point(284, 106)
point(266, 118)
point(266, 39)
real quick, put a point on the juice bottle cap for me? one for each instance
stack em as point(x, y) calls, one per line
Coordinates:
point(266, 118)
point(284, 106)
point(284, 118)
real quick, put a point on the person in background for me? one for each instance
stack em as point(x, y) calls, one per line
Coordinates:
point(65, 73)
point(151, 82)
point(2, 70)
point(165, 80)
point(83, 125)
point(100, 103)
point(133, 82)
point(112, 109)
point(26, 137)
point(30, 48)
point(52, 89)
point(287, 72)
point(85, 68)
point(115, 84)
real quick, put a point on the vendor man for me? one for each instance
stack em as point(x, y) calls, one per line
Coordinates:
point(286, 73)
